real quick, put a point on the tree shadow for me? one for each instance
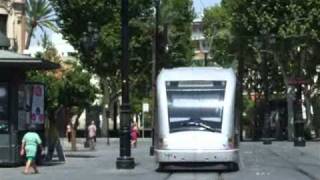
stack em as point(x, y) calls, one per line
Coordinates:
point(80, 156)
point(52, 163)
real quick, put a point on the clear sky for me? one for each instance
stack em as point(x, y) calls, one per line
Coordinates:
point(63, 46)
point(199, 5)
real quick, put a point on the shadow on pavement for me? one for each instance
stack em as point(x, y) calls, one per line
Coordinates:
point(52, 163)
point(79, 156)
point(79, 150)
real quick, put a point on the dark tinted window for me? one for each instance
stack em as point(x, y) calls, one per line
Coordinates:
point(3, 108)
point(3, 24)
point(195, 105)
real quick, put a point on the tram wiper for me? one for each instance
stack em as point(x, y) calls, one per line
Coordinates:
point(200, 124)
point(208, 127)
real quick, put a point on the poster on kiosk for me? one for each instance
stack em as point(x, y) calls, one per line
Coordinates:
point(31, 106)
point(37, 104)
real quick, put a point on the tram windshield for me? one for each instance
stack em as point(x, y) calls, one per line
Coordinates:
point(195, 105)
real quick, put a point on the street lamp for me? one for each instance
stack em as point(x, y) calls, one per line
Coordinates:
point(298, 121)
point(125, 161)
point(89, 40)
point(155, 67)
point(205, 50)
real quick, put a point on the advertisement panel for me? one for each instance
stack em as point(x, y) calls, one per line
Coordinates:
point(37, 104)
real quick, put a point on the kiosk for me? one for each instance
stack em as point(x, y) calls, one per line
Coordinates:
point(21, 103)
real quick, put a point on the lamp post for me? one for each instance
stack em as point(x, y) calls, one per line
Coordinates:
point(205, 51)
point(125, 161)
point(155, 67)
point(298, 121)
point(89, 40)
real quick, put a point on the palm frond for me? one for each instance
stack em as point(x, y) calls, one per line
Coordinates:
point(40, 14)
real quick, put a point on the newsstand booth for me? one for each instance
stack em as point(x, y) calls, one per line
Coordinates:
point(21, 103)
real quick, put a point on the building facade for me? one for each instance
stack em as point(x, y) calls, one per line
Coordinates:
point(12, 23)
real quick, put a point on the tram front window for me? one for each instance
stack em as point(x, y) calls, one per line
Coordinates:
point(195, 105)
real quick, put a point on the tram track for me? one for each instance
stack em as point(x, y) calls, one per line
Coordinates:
point(295, 167)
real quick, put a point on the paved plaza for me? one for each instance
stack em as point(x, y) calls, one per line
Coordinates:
point(277, 161)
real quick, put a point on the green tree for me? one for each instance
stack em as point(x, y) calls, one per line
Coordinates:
point(68, 87)
point(217, 29)
point(39, 14)
point(104, 59)
point(176, 18)
point(77, 94)
point(104, 56)
point(287, 31)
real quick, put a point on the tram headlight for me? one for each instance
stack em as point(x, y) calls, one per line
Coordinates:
point(163, 143)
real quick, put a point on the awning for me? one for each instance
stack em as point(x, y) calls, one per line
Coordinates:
point(9, 59)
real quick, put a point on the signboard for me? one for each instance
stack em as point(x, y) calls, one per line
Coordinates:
point(145, 107)
point(37, 104)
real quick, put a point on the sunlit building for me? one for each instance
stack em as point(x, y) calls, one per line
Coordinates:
point(12, 23)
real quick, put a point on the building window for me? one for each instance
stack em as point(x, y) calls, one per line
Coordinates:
point(3, 24)
point(4, 109)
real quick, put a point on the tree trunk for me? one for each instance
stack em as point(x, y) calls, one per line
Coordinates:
point(106, 100)
point(114, 115)
point(29, 38)
point(74, 129)
point(105, 122)
point(239, 96)
point(290, 97)
point(290, 101)
point(309, 123)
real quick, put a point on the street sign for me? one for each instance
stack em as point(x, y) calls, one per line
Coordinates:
point(145, 107)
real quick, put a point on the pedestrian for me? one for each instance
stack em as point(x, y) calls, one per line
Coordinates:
point(30, 143)
point(68, 132)
point(92, 131)
point(53, 142)
point(134, 133)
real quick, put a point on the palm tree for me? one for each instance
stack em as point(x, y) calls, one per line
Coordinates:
point(41, 15)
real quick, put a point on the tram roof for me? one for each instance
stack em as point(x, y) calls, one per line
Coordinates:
point(197, 73)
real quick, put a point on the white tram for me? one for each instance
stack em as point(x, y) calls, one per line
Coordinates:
point(196, 124)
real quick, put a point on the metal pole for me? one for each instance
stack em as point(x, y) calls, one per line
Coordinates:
point(125, 161)
point(206, 59)
point(298, 120)
point(155, 72)
point(266, 114)
point(142, 118)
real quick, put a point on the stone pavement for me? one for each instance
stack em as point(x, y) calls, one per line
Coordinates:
point(86, 164)
point(258, 161)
